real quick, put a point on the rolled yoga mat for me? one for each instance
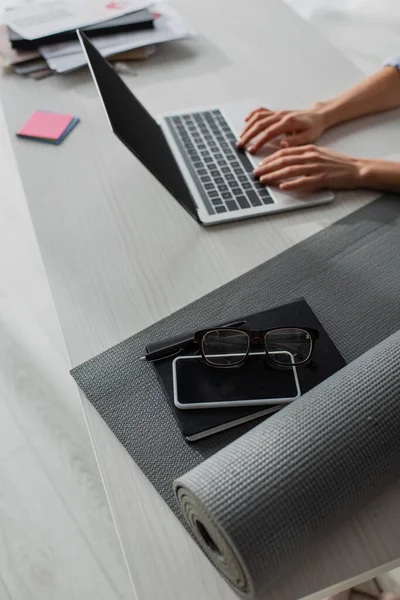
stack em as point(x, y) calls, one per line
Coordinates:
point(256, 505)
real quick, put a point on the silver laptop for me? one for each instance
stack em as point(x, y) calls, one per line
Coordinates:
point(193, 154)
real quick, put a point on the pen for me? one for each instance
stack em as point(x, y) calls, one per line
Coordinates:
point(167, 351)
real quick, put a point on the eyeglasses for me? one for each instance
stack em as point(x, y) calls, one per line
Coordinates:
point(284, 346)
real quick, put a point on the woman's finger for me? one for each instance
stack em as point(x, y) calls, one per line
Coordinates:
point(278, 162)
point(288, 172)
point(257, 125)
point(283, 126)
point(255, 130)
point(260, 117)
point(308, 152)
point(257, 110)
point(297, 139)
point(303, 184)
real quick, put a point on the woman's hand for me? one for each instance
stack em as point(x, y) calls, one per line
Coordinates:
point(299, 127)
point(308, 168)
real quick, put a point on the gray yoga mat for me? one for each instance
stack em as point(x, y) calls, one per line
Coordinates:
point(256, 505)
point(350, 276)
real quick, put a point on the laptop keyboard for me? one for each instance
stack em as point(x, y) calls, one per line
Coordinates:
point(223, 175)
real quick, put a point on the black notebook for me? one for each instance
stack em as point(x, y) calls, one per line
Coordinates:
point(141, 19)
point(200, 423)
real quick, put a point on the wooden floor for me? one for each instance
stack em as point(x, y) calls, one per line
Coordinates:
point(57, 538)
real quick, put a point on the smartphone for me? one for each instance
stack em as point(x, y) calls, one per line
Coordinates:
point(196, 385)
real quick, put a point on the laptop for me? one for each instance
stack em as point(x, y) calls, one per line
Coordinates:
point(193, 153)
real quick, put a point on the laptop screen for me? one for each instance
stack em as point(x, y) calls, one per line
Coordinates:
point(135, 127)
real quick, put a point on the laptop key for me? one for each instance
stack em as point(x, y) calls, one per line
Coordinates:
point(247, 186)
point(223, 188)
point(231, 205)
point(267, 200)
point(220, 209)
point(205, 179)
point(226, 170)
point(216, 201)
point(254, 199)
point(243, 202)
point(202, 172)
point(226, 196)
point(213, 194)
point(243, 178)
point(236, 191)
point(230, 177)
point(248, 167)
point(218, 180)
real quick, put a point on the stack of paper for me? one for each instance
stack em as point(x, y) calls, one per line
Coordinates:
point(41, 19)
point(168, 26)
point(40, 39)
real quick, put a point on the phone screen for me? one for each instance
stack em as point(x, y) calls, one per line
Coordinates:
point(196, 385)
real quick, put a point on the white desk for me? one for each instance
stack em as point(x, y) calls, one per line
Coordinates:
point(121, 254)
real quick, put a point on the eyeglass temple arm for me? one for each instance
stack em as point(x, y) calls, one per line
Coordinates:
point(179, 346)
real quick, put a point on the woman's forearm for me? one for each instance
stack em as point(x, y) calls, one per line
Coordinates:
point(379, 175)
point(377, 93)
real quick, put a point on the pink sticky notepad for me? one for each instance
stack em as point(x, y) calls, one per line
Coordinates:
point(47, 125)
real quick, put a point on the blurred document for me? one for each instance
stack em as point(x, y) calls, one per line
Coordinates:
point(39, 20)
point(168, 26)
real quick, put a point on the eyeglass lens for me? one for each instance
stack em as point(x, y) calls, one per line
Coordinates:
point(225, 347)
point(288, 346)
point(228, 347)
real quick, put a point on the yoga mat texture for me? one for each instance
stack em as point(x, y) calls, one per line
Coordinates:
point(257, 504)
point(271, 494)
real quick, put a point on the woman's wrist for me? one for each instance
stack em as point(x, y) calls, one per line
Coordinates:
point(364, 172)
point(378, 174)
point(328, 112)
point(376, 94)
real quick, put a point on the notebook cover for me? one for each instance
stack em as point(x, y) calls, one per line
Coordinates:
point(141, 19)
point(326, 360)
